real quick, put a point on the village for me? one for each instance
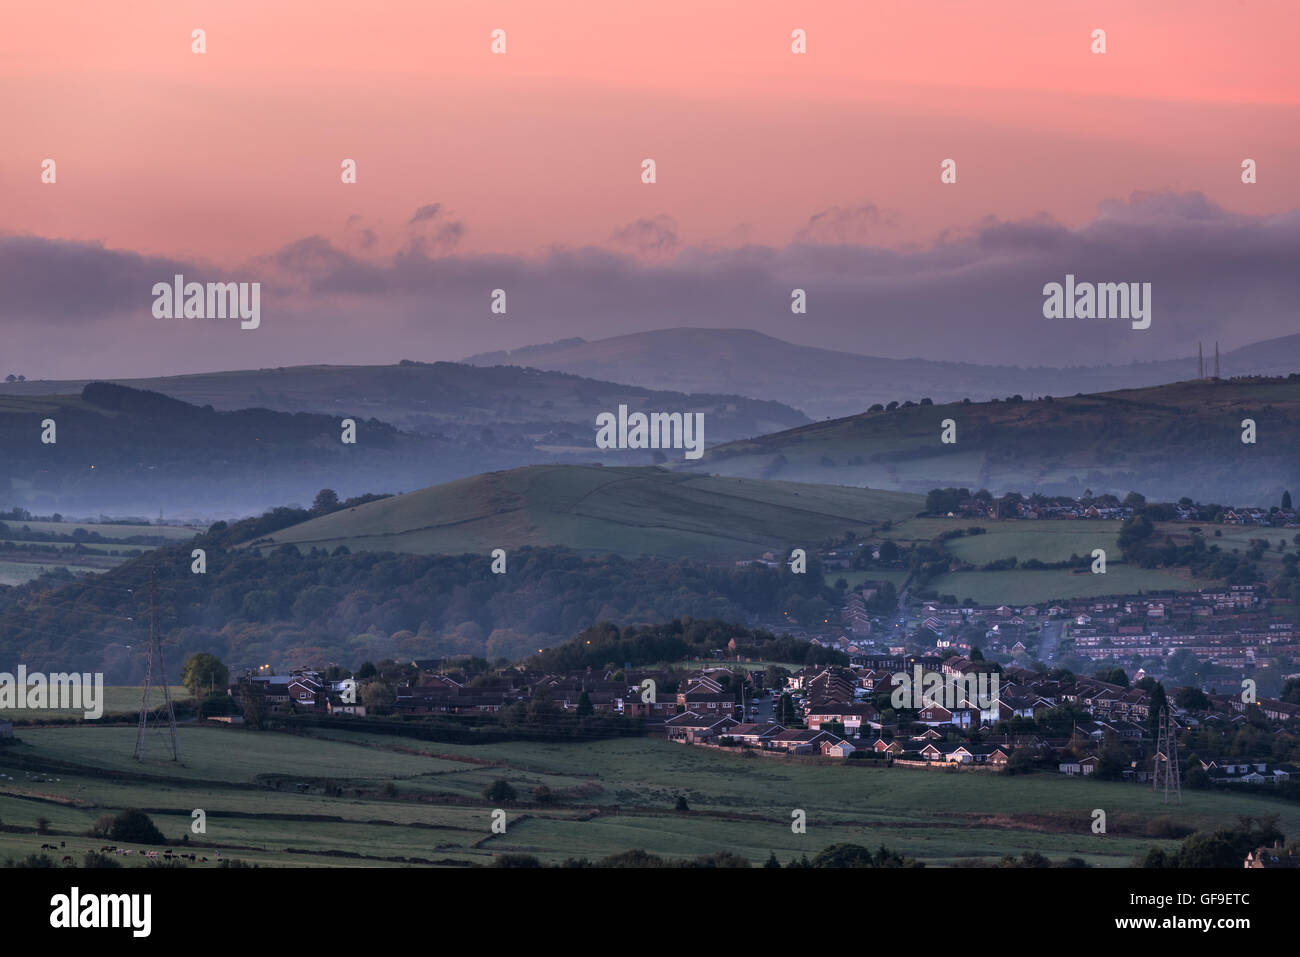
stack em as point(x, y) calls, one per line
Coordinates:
point(1035, 720)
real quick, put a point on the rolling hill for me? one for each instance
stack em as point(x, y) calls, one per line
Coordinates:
point(596, 510)
point(120, 450)
point(444, 398)
point(1183, 439)
point(823, 382)
point(411, 575)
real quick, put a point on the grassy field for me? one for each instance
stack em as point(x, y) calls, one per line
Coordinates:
point(1055, 541)
point(597, 510)
point(422, 802)
point(18, 567)
point(118, 699)
point(113, 532)
point(1032, 587)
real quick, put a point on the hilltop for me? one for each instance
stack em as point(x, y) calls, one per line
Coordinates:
point(411, 575)
point(1181, 439)
point(826, 382)
point(593, 510)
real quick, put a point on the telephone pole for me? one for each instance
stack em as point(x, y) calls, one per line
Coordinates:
point(155, 646)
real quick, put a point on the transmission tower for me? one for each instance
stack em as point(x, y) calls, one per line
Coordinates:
point(1167, 774)
point(146, 714)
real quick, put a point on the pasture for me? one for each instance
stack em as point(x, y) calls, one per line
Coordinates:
point(344, 797)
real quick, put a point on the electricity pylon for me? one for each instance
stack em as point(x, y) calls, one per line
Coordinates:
point(1167, 774)
point(155, 647)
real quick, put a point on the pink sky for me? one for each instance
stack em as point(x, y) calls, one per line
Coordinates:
point(231, 154)
point(774, 170)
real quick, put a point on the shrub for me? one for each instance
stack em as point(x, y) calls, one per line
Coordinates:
point(499, 790)
point(133, 826)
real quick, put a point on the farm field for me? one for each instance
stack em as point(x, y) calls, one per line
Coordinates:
point(1055, 541)
point(18, 567)
point(175, 533)
point(1032, 587)
point(118, 699)
point(417, 802)
point(856, 578)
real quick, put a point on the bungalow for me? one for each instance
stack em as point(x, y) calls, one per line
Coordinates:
point(334, 704)
point(931, 752)
point(801, 742)
point(691, 727)
point(979, 754)
point(757, 735)
point(837, 748)
point(1080, 768)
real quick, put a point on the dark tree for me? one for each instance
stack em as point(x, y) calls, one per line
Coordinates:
point(500, 791)
point(327, 500)
point(133, 826)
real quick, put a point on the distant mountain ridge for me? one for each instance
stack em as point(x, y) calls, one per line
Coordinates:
point(823, 382)
point(219, 444)
point(432, 397)
point(119, 450)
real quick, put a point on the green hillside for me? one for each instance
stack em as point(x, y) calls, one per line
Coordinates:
point(597, 510)
point(1165, 441)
